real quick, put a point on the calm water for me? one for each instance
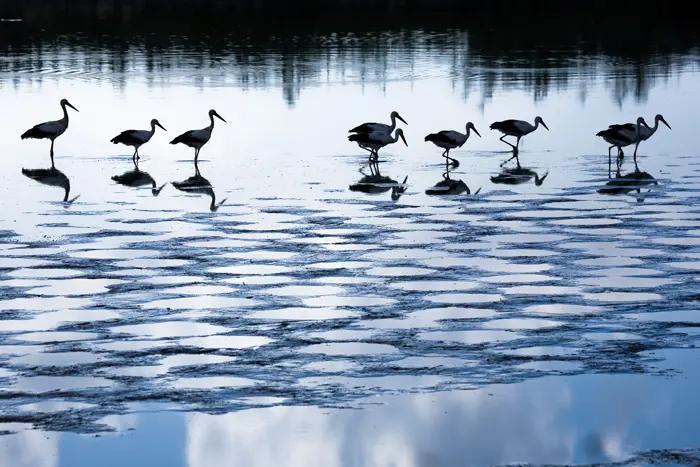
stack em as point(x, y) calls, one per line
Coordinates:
point(528, 323)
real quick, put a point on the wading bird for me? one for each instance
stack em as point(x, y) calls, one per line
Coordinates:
point(370, 127)
point(630, 130)
point(50, 130)
point(619, 136)
point(198, 138)
point(376, 140)
point(450, 139)
point(517, 128)
point(136, 138)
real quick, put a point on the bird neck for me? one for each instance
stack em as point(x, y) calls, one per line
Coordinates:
point(153, 130)
point(211, 123)
point(65, 114)
point(537, 124)
point(393, 124)
point(467, 133)
point(66, 187)
point(656, 126)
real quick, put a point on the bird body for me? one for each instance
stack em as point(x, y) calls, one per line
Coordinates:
point(50, 130)
point(619, 136)
point(517, 128)
point(376, 140)
point(136, 138)
point(450, 139)
point(629, 130)
point(198, 138)
point(371, 126)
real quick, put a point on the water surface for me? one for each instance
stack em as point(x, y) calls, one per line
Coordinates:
point(300, 298)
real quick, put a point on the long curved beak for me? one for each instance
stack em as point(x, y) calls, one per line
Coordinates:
point(220, 118)
point(404, 139)
point(399, 117)
point(666, 123)
point(545, 125)
point(71, 106)
point(475, 131)
point(161, 126)
point(646, 125)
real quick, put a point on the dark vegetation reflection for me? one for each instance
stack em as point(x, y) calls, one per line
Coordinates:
point(476, 55)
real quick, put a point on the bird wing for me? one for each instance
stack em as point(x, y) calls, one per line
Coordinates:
point(624, 126)
point(192, 136)
point(444, 136)
point(522, 126)
point(613, 136)
point(51, 127)
point(369, 127)
point(504, 126)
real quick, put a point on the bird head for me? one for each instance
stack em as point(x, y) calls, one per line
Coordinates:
point(471, 125)
point(539, 119)
point(156, 123)
point(641, 121)
point(395, 114)
point(64, 103)
point(660, 118)
point(399, 133)
point(212, 113)
point(156, 191)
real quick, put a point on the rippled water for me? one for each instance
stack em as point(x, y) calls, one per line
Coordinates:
point(311, 289)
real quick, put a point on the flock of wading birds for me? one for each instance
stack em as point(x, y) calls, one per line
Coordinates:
point(369, 136)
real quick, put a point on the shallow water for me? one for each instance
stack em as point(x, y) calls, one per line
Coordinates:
point(298, 297)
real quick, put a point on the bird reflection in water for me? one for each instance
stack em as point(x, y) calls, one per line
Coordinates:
point(518, 175)
point(449, 186)
point(136, 178)
point(52, 177)
point(376, 183)
point(633, 181)
point(199, 185)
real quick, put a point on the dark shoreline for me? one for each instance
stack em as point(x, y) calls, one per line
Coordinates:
point(622, 13)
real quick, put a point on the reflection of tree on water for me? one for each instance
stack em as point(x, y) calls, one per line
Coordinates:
point(376, 183)
point(449, 186)
point(633, 181)
point(471, 54)
point(136, 178)
point(51, 177)
point(199, 185)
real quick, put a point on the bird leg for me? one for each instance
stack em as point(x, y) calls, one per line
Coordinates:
point(509, 144)
point(635, 151)
point(514, 156)
point(51, 154)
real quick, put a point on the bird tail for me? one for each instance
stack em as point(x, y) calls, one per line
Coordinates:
point(431, 137)
point(495, 126)
point(355, 137)
point(33, 133)
point(179, 139)
point(116, 140)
